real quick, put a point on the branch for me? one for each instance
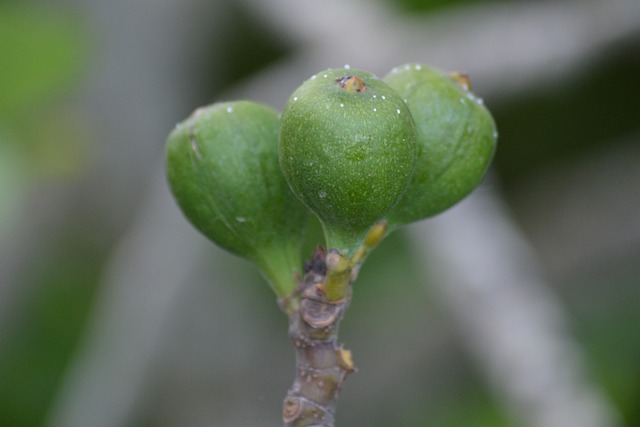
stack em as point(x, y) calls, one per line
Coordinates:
point(321, 364)
point(512, 322)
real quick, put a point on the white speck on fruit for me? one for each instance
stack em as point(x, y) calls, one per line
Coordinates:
point(398, 110)
point(383, 97)
point(347, 66)
point(375, 109)
point(241, 219)
point(341, 105)
point(295, 98)
point(229, 109)
point(325, 75)
point(418, 67)
point(375, 96)
point(313, 77)
point(322, 194)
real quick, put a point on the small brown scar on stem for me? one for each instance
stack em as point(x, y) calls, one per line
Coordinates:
point(292, 409)
point(351, 84)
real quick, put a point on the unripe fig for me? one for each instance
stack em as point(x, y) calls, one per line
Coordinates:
point(456, 141)
point(347, 148)
point(222, 166)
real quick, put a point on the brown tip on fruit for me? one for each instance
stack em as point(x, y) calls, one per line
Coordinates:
point(351, 84)
point(462, 79)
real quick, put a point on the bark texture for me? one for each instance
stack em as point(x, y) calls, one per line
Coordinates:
point(321, 363)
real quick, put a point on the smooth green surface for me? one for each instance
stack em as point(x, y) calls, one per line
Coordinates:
point(222, 166)
point(347, 155)
point(456, 141)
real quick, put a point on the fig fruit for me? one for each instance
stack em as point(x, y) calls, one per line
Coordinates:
point(456, 141)
point(347, 149)
point(223, 169)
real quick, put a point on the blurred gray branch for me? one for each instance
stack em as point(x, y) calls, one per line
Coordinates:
point(510, 319)
point(143, 279)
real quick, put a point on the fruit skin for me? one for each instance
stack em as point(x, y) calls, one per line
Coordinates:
point(222, 167)
point(347, 151)
point(456, 141)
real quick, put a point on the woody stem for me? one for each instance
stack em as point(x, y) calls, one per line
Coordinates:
point(321, 363)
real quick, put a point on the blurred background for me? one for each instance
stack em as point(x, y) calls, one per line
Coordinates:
point(520, 307)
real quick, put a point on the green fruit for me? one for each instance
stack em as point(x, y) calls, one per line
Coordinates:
point(456, 141)
point(347, 148)
point(222, 166)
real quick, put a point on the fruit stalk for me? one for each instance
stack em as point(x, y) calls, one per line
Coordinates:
point(321, 363)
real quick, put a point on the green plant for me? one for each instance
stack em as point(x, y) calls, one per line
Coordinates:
point(365, 155)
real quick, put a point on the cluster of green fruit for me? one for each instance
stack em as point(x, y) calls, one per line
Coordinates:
point(365, 155)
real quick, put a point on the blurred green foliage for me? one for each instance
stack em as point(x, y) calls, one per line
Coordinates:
point(42, 50)
point(425, 6)
point(605, 323)
point(248, 47)
point(13, 181)
point(565, 122)
point(44, 336)
point(468, 405)
point(42, 54)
